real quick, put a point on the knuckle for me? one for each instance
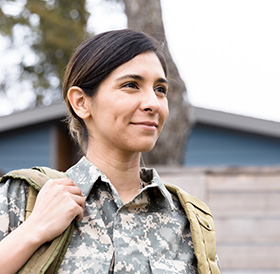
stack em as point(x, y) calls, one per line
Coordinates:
point(74, 209)
point(49, 183)
point(68, 180)
point(79, 191)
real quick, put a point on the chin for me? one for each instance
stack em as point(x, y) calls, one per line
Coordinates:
point(146, 147)
point(142, 145)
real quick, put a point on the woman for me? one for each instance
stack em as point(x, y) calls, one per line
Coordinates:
point(115, 87)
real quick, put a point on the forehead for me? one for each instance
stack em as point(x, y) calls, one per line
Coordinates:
point(144, 63)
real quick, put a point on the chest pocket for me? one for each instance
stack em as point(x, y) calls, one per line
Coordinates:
point(164, 266)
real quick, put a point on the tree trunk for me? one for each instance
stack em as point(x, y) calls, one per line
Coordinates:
point(146, 15)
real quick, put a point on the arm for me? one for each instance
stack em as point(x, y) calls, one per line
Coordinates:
point(57, 204)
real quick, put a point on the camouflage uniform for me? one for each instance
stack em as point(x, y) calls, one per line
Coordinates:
point(149, 234)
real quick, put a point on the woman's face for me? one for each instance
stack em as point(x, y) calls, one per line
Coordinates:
point(130, 107)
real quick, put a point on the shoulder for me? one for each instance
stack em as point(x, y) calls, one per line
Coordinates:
point(12, 188)
point(13, 197)
point(197, 212)
point(10, 185)
point(36, 177)
point(201, 227)
point(186, 198)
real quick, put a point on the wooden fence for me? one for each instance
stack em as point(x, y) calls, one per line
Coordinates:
point(245, 203)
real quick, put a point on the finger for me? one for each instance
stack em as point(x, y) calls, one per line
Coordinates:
point(80, 200)
point(73, 190)
point(80, 216)
point(66, 184)
point(65, 181)
point(79, 212)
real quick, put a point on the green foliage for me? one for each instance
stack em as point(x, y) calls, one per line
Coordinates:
point(53, 29)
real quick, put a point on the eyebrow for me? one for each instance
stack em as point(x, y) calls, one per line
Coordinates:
point(140, 78)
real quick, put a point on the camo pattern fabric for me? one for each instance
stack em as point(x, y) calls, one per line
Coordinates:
point(149, 234)
point(13, 197)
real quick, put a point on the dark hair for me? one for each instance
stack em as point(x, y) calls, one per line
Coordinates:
point(94, 60)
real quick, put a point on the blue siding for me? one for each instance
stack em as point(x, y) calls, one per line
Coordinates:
point(209, 145)
point(25, 148)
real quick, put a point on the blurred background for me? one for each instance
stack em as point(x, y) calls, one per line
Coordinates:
point(222, 140)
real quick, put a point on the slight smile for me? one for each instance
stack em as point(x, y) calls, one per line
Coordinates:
point(148, 125)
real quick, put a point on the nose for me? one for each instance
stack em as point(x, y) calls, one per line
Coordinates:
point(150, 102)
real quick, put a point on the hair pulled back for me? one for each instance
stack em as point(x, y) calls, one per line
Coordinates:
point(94, 60)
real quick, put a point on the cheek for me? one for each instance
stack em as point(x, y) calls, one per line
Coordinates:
point(164, 111)
point(163, 115)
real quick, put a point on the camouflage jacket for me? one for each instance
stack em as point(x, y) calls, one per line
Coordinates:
point(149, 234)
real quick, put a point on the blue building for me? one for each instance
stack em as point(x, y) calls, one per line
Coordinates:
point(40, 137)
point(36, 137)
point(224, 139)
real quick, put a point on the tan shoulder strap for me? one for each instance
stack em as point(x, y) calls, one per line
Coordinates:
point(202, 230)
point(31, 199)
point(33, 177)
point(36, 180)
point(36, 177)
point(51, 173)
point(48, 257)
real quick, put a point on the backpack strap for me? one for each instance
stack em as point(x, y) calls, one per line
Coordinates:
point(202, 230)
point(49, 256)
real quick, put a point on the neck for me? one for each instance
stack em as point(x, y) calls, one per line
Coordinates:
point(122, 169)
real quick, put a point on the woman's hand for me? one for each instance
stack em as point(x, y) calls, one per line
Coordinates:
point(57, 204)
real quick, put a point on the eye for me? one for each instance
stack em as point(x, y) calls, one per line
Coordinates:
point(130, 85)
point(162, 90)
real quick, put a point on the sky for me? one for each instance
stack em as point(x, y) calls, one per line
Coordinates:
point(227, 52)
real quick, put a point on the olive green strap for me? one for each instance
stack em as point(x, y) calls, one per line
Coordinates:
point(202, 230)
point(31, 199)
point(49, 256)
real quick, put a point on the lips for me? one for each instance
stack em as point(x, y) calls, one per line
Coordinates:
point(146, 123)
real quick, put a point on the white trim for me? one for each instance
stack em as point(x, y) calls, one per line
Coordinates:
point(238, 122)
point(32, 116)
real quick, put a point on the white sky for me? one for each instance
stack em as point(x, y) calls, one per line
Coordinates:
point(227, 52)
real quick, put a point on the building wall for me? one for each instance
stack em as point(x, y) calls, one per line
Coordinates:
point(214, 146)
point(47, 144)
point(246, 208)
point(25, 148)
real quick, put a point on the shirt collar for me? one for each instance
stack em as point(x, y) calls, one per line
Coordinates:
point(155, 181)
point(85, 174)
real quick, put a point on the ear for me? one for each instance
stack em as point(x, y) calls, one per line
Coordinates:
point(79, 102)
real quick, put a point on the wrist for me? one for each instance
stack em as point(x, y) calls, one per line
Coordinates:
point(34, 233)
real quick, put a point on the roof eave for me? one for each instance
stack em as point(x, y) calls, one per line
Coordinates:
point(237, 122)
point(32, 116)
